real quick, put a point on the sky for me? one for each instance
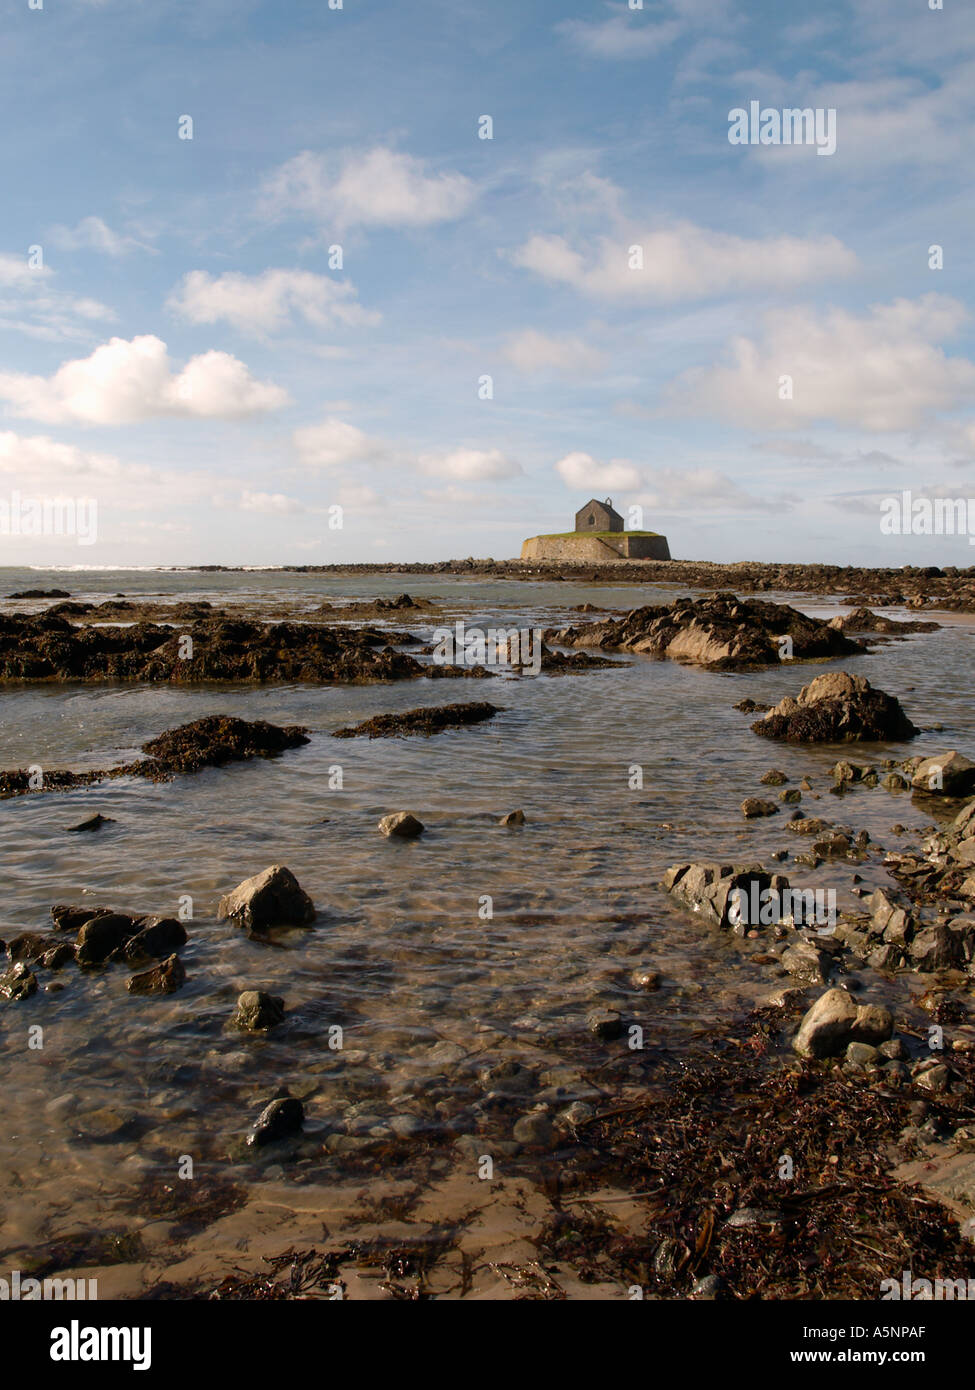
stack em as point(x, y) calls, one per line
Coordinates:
point(268, 294)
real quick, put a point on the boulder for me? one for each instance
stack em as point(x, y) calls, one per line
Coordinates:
point(836, 708)
point(102, 935)
point(258, 1011)
point(834, 1021)
point(155, 938)
point(712, 889)
point(18, 982)
point(401, 825)
point(753, 807)
point(285, 1115)
point(273, 898)
point(949, 774)
point(165, 978)
point(937, 948)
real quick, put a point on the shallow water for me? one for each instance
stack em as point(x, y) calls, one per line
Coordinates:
point(427, 988)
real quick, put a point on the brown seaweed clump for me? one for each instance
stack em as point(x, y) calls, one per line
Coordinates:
point(421, 721)
point(211, 742)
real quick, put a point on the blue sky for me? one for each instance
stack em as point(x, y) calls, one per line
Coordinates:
point(184, 352)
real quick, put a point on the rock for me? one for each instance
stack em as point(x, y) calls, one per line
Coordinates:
point(937, 948)
point(713, 889)
point(836, 708)
point(58, 956)
point(73, 918)
point(860, 1055)
point(809, 825)
point(931, 1076)
point(165, 978)
point(894, 782)
point(806, 962)
point(18, 982)
point(791, 796)
point(258, 1011)
point(513, 818)
point(285, 1115)
point(94, 822)
point(28, 946)
point(753, 807)
point(645, 978)
point(100, 936)
point(534, 1129)
point(155, 938)
point(721, 632)
point(401, 825)
point(273, 898)
point(708, 1287)
point(835, 1020)
point(605, 1023)
point(773, 778)
point(950, 774)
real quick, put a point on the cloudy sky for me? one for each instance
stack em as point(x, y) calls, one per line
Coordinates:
point(338, 295)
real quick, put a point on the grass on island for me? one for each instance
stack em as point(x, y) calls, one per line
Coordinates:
point(600, 535)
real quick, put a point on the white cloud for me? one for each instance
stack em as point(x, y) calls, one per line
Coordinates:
point(124, 381)
point(699, 489)
point(685, 262)
point(470, 465)
point(263, 303)
point(882, 371)
point(32, 306)
point(93, 234)
point(621, 36)
point(269, 503)
point(582, 473)
point(380, 187)
point(335, 442)
point(531, 351)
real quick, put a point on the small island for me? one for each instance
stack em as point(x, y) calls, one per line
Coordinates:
point(599, 535)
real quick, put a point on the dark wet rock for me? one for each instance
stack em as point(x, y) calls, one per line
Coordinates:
point(949, 774)
point(750, 706)
point(257, 1011)
point(40, 593)
point(401, 825)
point(272, 898)
point(154, 938)
point(834, 1021)
point(67, 918)
point(164, 978)
point(58, 956)
point(19, 982)
point(100, 936)
point(791, 796)
point(29, 946)
point(555, 663)
point(421, 721)
point(94, 822)
point(605, 1023)
point(836, 708)
point(513, 818)
point(285, 1115)
point(753, 807)
point(721, 632)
